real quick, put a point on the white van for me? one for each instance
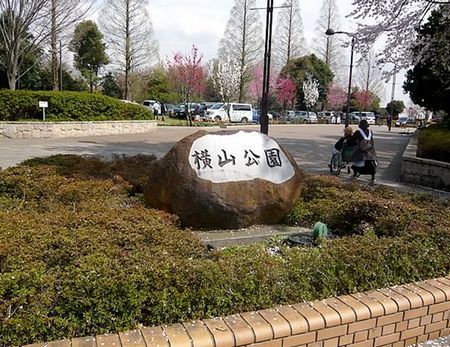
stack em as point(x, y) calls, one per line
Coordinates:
point(368, 116)
point(241, 113)
point(149, 104)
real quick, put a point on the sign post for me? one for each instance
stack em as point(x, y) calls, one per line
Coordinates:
point(43, 105)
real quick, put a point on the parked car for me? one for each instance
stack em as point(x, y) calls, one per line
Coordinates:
point(304, 117)
point(356, 117)
point(288, 115)
point(238, 112)
point(257, 114)
point(149, 104)
point(130, 102)
point(405, 121)
point(170, 109)
point(180, 110)
point(330, 117)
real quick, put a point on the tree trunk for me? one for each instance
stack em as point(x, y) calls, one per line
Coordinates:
point(12, 79)
point(127, 49)
point(12, 70)
point(54, 47)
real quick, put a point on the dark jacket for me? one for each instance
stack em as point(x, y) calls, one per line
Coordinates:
point(365, 149)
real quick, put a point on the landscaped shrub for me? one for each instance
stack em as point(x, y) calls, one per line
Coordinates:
point(80, 254)
point(434, 143)
point(22, 105)
point(344, 207)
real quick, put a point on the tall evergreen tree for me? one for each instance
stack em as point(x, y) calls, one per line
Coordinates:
point(242, 41)
point(89, 51)
point(289, 41)
point(110, 87)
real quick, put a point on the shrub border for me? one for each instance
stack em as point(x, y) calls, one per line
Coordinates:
point(399, 316)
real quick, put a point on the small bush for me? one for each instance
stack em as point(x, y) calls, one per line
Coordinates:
point(22, 105)
point(434, 143)
point(80, 254)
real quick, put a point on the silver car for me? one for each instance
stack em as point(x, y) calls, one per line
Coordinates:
point(304, 117)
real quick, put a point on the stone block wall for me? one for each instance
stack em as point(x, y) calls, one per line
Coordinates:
point(424, 172)
point(396, 317)
point(27, 130)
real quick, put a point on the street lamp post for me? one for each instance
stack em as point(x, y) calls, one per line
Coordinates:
point(331, 32)
point(264, 119)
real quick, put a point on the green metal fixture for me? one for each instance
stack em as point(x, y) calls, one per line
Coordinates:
point(320, 230)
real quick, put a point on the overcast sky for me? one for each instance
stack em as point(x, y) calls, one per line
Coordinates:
point(178, 24)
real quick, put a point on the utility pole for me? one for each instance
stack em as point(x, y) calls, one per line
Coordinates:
point(60, 67)
point(394, 82)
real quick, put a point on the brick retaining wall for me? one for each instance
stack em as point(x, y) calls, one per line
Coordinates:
point(27, 130)
point(398, 316)
point(425, 172)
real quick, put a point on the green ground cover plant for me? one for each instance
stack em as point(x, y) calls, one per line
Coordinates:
point(434, 143)
point(81, 254)
point(23, 105)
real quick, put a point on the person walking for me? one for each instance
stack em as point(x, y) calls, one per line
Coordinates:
point(389, 121)
point(364, 158)
point(157, 109)
point(163, 111)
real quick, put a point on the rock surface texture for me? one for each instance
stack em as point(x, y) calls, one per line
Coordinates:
point(225, 180)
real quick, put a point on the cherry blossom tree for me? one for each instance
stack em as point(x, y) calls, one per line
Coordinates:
point(286, 90)
point(255, 87)
point(310, 91)
point(336, 97)
point(396, 20)
point(187, 74)
point(225, 77)
point(365, 101)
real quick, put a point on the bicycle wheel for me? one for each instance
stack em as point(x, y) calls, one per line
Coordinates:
point(336, 164)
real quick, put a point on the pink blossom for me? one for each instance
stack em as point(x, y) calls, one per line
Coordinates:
point(187, 73)
point(286, 92)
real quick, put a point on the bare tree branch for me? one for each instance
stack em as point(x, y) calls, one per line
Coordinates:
point(289, 42)
point(129, 36)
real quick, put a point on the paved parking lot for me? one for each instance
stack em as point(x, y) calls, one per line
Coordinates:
point(310, 145)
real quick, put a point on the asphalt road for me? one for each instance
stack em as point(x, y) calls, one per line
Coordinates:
point(310, 145)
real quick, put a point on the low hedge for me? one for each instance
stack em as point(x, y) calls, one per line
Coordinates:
point(23, 105)
point(434, 143)
point(80, 254)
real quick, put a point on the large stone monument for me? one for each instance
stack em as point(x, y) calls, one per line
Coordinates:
point(227, 179)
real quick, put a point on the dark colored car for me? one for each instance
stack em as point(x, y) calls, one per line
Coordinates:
point(204, 106)
point(180, 112)
point(170, 109)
